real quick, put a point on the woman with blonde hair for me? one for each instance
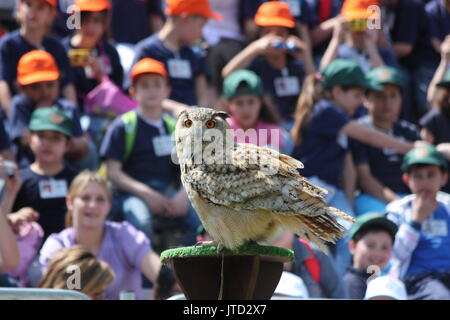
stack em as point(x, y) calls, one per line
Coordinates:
point(127, 250)
point(94, 275)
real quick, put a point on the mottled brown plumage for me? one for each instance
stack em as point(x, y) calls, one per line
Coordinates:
point(242, 192)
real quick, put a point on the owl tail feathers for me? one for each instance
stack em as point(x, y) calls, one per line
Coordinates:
point(318, 229)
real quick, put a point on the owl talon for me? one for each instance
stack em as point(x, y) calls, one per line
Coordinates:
point(206, 243)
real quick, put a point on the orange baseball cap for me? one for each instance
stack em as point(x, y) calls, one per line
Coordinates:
point(148, 65)
point(200, 7)
point(93, 5)
point(37, 66)
point(359, 9)
point(274, 13)
point(53, 3)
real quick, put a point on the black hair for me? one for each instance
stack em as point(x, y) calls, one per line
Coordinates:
point(165, 282)
point(372, 228)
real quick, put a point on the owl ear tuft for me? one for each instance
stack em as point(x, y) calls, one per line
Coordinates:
point(183, 113)
point(221, 114)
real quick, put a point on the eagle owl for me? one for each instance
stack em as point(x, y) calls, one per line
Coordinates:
point(243, 192)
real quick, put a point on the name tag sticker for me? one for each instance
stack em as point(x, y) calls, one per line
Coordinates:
point(179, 68)
point(287, 86)
point(436, 228)
point(163, 145)
point(51, 189)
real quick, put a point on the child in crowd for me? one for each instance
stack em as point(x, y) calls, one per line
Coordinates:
point(280, 58)
point(172, 46)
point(35, 17)
point(89, 45)
point(379, 170)
point(9, 251)
point(422, 244)
point(46, 181)
point(38, 76)
point(354, 39)
point(95, 274)
point(372, 238)
point(251, 118)
point(126, 250)
point(436, 123)
point(315, 268)
point(323, 129)
point(142, 170)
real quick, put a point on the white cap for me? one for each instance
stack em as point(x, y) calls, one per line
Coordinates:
point(386, 286)
point(291, 285)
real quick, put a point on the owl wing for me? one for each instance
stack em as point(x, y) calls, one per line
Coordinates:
point(259, 178)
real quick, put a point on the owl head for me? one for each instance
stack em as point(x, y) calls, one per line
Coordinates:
point(201, 133)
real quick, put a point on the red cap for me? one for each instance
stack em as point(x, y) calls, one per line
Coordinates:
point(53, 3)
point(93, 5)
point(37, 66)
point(148, 65)
point(199, 7)
point(274, 13)
point(359, 9)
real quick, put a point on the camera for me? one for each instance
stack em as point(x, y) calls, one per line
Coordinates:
point(78, 57)
point(288, 45)
point(10, 167)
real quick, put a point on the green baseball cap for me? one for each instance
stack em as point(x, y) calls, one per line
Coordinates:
point(386, 75)
point(232, 83)
point(426, 154)
point(373, 219)
point(51, 118)
point(445, 82)
point(344, 72)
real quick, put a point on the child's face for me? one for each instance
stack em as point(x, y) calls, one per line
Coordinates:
point(426, 179)
point(150, 90)
point(384, 106)
point(93, 26)
point(192, 29)
point(35, 14)
point(48, 146)
point(245, 109)
point(90, 207)
point(374, 248)
point(281, 32)
point(42, 93)
point(349, 99)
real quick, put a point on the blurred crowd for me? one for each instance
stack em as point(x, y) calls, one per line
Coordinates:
point(90, 90)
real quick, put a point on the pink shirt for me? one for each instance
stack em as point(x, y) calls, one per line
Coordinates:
point(263, 134)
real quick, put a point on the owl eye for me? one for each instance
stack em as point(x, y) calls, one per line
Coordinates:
point(188, 123)
point(210, 124)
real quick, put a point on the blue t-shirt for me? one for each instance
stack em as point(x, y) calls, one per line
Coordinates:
point(143, 163)
point(433, 250)
point(362, 58)
point(285, 101)
point(19, 119)
point(13, 46)
point(130, 20)
point(182, 78)
point(411, 26)
point(110, 60)
point(385, 164)
point(46, 195)
point(439, 23)
point(323, 148)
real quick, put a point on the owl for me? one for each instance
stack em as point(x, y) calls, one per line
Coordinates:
point(245, 193)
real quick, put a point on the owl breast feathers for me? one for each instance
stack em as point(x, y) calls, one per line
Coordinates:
point(251, 192)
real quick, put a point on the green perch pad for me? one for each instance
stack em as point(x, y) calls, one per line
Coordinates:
point(211, 250)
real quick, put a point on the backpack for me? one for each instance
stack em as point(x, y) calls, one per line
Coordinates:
point(312, 264)
point(130, 120)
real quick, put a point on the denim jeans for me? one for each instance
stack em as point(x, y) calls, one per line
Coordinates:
point(134, 210)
